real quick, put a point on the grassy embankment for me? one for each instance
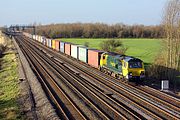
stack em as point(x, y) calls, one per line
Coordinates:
point(145, 49)
point(9, 89)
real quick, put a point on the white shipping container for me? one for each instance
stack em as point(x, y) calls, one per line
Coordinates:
point(83, 54)
point(37, 37)
point(34, 37)
point(74, 51)
point(40, 39)
point(49, 43)
point(44, 41)
point(62, 47)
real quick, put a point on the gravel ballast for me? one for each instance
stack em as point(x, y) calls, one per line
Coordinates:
point(33, 100)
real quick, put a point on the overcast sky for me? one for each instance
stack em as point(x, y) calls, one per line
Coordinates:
point(147, 12)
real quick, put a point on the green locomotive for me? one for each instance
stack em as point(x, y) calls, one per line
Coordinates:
point(122, 67)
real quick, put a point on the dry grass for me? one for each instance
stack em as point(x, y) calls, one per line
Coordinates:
point(157, 69)
point(9, 89)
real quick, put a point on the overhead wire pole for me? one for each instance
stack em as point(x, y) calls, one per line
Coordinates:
point(12, 30)
point(22, 27)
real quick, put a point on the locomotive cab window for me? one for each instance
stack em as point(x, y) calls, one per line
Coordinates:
point(116, 66)
point(119, 65)
point(135, 64)
point(103, 56)
point(125, 64)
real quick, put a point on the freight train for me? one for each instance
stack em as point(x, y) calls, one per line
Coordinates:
point(120, 66)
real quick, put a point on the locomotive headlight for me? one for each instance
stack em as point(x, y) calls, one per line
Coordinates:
point(142, 74)
point(130, 73)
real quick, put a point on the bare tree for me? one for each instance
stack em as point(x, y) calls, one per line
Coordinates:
point(171, 22)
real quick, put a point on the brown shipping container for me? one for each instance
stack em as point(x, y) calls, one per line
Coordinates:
point(57, 45)
point(94, 57)
point(68, 48)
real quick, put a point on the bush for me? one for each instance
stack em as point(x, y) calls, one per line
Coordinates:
point(113, 45)
point(86, 44)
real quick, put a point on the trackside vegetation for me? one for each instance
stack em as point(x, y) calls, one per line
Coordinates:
point(9, 89)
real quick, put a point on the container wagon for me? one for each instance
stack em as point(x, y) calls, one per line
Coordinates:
point(68, 48)
point(94, 57)
point(57, 42)
point(83, 54)
point(62, 46)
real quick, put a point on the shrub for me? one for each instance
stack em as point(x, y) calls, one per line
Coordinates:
point(113, 45)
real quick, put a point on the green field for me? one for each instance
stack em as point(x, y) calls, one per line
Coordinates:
point(145, 49)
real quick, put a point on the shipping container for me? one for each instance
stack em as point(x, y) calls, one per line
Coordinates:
point(62, 47)
point(74, 51)
point(47, 42)
point(53, 44)
point(41, 39)
point(94, 57)
point(34, 37)
point(37, 38)
point(44, 41)
point(68, 48)
point(50, 43)
point(57, 45)
point(83, 54)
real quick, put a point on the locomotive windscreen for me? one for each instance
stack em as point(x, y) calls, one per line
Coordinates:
point(135, 64)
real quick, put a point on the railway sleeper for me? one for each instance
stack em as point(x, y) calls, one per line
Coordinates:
point(49, 55)
point(73, 70)
point(61, 62)
point(44, 51)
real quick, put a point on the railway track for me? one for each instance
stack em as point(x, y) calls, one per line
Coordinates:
point(117, 95)
point(142, 103)
point(52, 90)
point(108, 112)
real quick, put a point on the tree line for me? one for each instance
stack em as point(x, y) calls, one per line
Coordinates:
point(167, 64)
point(99, 30)
point(171, 21)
